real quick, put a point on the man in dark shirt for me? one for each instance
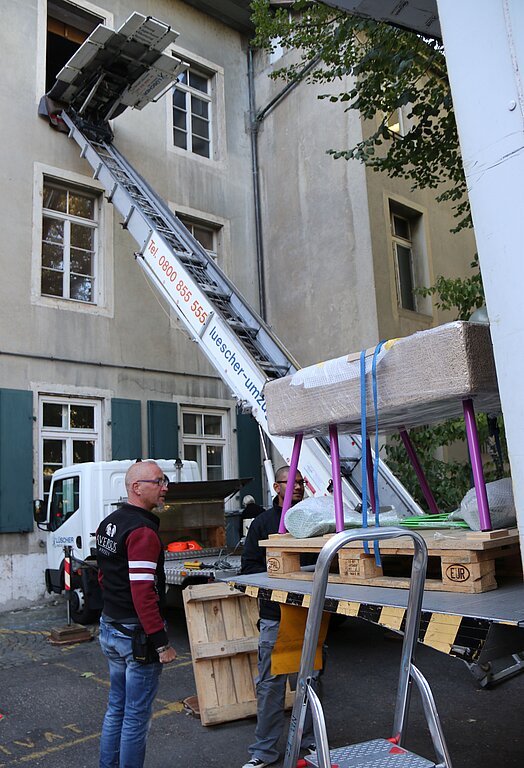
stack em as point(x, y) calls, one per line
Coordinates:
point(271, 689)
point(131, 574)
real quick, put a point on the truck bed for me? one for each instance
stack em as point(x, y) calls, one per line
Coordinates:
point(215, 562)
point(462, 625)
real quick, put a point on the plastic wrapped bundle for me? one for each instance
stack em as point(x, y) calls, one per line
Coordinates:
point(501, 506)
point(315, 516)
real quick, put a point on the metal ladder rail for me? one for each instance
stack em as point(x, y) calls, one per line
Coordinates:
point(262, 344)
point(407, 670)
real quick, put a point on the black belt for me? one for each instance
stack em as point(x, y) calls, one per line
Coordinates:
point(125, 630)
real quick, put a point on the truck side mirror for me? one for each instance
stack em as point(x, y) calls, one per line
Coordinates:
point(39, 511)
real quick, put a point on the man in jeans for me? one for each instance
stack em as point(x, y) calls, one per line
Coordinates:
point(270, 688)
point(131, 574)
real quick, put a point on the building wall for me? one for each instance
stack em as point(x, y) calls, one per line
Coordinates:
point(129, 346)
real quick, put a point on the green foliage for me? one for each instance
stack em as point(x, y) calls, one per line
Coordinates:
point(463, 294)
point(379, 69)
point(448, 480)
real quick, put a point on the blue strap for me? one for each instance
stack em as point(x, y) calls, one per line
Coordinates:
point(363, 438)
point(377, 457)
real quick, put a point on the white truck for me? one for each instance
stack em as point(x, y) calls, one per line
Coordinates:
point(192, 526)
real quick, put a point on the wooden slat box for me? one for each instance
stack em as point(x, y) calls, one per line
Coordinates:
point(421, 379)
point(223, 635)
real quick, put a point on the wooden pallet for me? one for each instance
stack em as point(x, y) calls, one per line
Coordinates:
point(459, 560)
point(223, 635)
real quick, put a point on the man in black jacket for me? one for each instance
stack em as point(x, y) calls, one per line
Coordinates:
point(270, 688)
point(131, 573)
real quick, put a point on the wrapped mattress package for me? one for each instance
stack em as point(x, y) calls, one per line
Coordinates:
point(421, 379)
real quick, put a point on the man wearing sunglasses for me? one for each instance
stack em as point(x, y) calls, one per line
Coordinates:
point(270, 688)
point(131, 574)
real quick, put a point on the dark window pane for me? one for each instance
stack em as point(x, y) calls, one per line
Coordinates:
point(214, 462)
point(212, 425)
point(52, 256)
point(81, 262)
point(83, 450)
point(204, 237)
point(200, 147)
point(81, 288)
point(182, 77)
point(401, 227)
point(192, 424)
point(193, 453)
point(198, 82)
point(407, 296)
point(82, 237)
point(52, 230)
point(82, 417)
point(80, 205)
point(52, 283)
point(200, 127)
point(199, 108)
point(53, 415)
point(179, 119)
point(55, 199)
point(180, 139)
point(179, 100)
point(53, 451)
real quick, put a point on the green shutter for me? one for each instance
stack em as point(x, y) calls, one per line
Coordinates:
point(16, 461)
point(249, 458)
point(162, 426)
point(126, 429)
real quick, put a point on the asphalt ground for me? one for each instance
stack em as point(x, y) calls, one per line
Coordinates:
point(52, 701)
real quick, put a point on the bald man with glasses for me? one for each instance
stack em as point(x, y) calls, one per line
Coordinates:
point(130, 558)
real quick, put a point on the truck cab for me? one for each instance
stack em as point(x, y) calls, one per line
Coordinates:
point(80, 497)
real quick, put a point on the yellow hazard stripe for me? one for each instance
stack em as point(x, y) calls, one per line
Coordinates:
point(438, 630)
point(442, 631)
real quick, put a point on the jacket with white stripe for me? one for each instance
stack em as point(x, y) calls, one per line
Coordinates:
point(131, 574)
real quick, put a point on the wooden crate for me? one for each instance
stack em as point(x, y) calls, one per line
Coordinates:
point(223, 635)
point(459, 560)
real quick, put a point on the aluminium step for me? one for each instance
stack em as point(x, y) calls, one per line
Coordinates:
point(377, 753)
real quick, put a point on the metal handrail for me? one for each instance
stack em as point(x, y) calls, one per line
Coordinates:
point(318, 594)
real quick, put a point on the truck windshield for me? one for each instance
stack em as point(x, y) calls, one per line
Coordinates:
point(64, 501)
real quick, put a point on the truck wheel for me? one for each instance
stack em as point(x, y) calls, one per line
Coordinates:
point(81, 613)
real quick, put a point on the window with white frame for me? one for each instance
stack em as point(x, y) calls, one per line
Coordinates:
point(204, 441)
point(206, 234)
point(192, 112)
point(70, 433)
point(70, 218)
point(410, 257)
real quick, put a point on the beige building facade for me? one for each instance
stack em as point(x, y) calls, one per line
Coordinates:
point(94, 366)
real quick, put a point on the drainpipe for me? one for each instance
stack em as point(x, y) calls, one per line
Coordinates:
point(255, 121)
point(254, 125)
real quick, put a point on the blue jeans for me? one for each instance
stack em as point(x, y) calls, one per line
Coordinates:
point(133, 687)
point(271, 693)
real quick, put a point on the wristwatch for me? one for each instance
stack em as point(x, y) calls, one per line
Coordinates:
point(163, 648)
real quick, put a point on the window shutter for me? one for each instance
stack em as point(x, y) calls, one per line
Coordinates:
point(162, 425)
point(126, 429)
point(16, 461)
point(249, 458)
